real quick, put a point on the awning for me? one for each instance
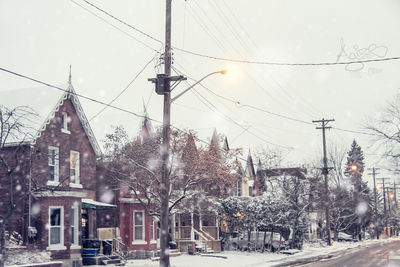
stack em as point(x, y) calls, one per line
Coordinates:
point(91, 204)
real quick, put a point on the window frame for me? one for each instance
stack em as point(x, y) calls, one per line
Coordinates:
point(56, 165)
point(64, 122)
point(75, 226)
point(152, 235)
point(58, 246)
point(77, 181)
point(136, 240)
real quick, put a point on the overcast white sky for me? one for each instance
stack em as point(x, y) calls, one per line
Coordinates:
point(42, 38)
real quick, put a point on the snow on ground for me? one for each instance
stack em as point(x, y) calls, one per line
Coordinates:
point(240, 259)
point(21, 256)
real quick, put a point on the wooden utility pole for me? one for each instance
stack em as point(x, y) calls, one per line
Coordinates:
point(163, 87)
point(374, 173)
point(164, 254)
point(325, 171)
point(384, 199)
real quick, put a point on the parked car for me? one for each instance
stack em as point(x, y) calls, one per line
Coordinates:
point(343, 237)
point(241, 242)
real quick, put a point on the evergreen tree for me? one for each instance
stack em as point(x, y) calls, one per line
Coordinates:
point(361, 194)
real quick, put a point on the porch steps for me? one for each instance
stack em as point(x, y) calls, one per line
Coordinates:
point(112, 259)
point(174, 253)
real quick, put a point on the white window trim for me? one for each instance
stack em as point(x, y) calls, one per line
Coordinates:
point(152, 233)
point(53, 183)
point(139, 241)
point(64, 126)
point(77, 183)
point(60, 246)
point(56, 166)
point(75, 210)
point(72, 185)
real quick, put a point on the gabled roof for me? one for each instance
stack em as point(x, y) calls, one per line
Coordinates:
point(46, 101)
point(249, 171)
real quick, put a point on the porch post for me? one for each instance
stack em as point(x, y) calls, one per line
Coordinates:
point(191, 226)
point(217, 224)
point(173, 228)
point(200, 222)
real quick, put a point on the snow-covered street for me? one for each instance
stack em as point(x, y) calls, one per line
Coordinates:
point(236, 259)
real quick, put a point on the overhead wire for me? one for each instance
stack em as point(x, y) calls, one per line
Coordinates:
point(100, 102)
point(246, 61)
point(213, 108)
point(115, 27)
point(244, 47)
point(126, 88)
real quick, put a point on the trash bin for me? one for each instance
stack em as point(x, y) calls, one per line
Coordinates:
point(190, 250)
point(172, 245)
point(107, 247)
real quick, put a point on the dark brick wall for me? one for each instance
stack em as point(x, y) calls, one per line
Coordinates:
point(76, 140)
point(51, 136)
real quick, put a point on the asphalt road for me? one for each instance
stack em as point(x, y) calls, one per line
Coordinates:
point(373, 255)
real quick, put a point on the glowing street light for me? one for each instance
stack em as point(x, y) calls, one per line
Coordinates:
point(354, 167)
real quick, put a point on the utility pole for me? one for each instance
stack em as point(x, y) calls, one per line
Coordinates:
point(325, 171)
point(374, 173)
point(384, 199)
point(164, 256)
point(163, 87)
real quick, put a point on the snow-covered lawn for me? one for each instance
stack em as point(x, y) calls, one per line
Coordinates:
point(236, 259)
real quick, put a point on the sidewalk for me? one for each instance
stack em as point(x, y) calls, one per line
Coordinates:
point(310, 253)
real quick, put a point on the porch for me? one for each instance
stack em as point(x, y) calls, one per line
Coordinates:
point(196, 231)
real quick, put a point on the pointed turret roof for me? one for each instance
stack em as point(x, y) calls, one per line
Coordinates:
point(146, 129)
point(249, 171)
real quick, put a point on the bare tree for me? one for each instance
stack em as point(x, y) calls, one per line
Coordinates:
point(384, 128)
point(15, 134)
point(194, 170)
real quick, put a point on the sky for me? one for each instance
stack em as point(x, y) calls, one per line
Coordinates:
point(252, 103)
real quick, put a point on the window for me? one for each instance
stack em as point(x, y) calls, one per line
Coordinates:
point(239, 187)
point(64, 122)
point(138, 225)
point(151, 228)
point(74, 226)
point(74, 167)
point(56, 226)
point(53, 163)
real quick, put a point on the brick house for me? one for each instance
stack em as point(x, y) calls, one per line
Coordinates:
point(61, 160)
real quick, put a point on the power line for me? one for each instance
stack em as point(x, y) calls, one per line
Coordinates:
point(245, 61)
point(215, 109)
point(74, 93)
point(240, 104)
point(123, 22)
point(115, 27)
point(102, 103)
point(123, 90)
point(286, 63)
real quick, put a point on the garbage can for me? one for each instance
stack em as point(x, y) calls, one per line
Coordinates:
point(190, 250)
point(107, 247)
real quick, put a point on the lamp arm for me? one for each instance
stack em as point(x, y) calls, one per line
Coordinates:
point(193, 85)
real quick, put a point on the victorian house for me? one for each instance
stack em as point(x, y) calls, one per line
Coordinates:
point(56, 173)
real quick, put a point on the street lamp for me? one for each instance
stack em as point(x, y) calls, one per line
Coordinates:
point(196, 83)
point(163, 87)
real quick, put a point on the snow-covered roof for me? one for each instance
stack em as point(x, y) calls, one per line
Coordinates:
point(46, 101)
point(91, 204)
